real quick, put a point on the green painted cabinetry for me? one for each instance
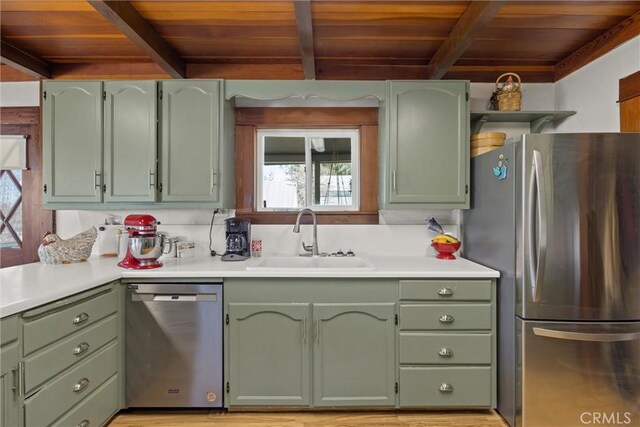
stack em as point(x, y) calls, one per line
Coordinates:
point(426, 156)
point(72, 141)
point(130, 141)
point(9, 373)
point(270, 354)
point(190, 141)
point(354, 355)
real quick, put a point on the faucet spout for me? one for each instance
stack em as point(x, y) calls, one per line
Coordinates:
point(296, 229)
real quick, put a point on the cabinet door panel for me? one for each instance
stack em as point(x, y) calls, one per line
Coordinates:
point(354, 355)
point(269, 354)
point(72, 141)
point(130, 141)
point(428, 141)
point(9, 400)
point(190, 140)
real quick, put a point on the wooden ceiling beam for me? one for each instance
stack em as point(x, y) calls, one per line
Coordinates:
point(304, 23)
point(23, 61)
point(477, 15)
point(127, 19)
point(607, 41)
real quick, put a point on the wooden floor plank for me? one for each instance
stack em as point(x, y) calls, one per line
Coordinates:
point(139, 418)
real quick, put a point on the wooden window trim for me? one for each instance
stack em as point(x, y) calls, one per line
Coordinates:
point(248, 120)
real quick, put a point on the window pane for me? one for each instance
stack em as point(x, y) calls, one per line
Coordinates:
point(283, 172)
point(11, 208)
point(332, 177)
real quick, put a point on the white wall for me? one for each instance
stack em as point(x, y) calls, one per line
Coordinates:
point(19, 94)
point(592, 90)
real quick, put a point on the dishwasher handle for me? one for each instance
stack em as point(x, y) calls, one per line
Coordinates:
point(135, 296)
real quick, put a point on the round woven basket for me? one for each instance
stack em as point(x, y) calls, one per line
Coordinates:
point(509, 96)
point(485, 142)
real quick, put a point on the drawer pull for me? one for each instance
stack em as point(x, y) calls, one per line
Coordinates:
point(81, 385)
point(446, 318)
point(80, 318)
point(445, 292)
point(84, 423)
point(445, 352)
point(81, 348)
point(445, 388)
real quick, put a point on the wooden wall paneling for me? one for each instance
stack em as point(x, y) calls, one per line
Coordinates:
point(109, 70)
point(629, 87)
point(626, 30)
point(629, 99)
point(23, 61)
point(305, 37)
point(36, 220)
point(10, 74)
point(477, 15)
point(127, 19)
point(249, 119)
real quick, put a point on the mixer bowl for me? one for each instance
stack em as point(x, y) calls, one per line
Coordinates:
point(146, 248)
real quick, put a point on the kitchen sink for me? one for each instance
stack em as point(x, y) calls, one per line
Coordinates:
point(284, 263)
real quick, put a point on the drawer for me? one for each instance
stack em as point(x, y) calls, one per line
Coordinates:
point(96, 409)
point(8, 330)
point(56, 398)
point(445, 290)
point(50, 328)
point(445, 316)
point(54, 359)
point(445, 349)
point(445, 387)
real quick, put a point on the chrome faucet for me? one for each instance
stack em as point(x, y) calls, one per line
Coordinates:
point(296, 229)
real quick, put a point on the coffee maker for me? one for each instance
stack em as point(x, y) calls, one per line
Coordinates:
point(145, 245)
point(238, 239)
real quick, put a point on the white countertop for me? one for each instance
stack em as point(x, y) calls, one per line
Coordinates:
point(31, 285)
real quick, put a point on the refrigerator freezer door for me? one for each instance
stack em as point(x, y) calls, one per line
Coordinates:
point(577, 374)
point(579, 201)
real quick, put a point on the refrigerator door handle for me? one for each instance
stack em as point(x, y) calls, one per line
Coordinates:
point(537, 198)
point(582, 336)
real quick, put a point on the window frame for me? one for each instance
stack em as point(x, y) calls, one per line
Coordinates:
point(352, 134)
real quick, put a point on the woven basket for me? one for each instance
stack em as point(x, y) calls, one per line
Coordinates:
point(485, 142)
point(509, 97)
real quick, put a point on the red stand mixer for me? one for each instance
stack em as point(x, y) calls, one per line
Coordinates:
point(145, 245)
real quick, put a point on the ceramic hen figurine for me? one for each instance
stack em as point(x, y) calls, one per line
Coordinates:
point(55, 250)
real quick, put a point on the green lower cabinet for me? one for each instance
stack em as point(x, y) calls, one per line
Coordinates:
point(9, 397)
point(354, 355)
point(269, 359)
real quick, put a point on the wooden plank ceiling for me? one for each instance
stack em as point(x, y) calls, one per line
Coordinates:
point(540, 40)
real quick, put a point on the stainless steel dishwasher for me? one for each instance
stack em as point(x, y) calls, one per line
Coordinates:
point(174, 345)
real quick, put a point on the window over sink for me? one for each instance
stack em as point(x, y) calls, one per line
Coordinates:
point(315, 168)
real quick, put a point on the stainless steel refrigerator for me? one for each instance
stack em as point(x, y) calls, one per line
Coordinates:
point(559, 216)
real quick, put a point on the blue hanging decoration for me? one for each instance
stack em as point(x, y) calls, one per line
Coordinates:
point(500, 171)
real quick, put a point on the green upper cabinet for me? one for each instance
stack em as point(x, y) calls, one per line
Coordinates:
point(72, 141)
point(354, 354)
point(130, 141)
point(427, 160)
point(190, 140)
point(269, 354)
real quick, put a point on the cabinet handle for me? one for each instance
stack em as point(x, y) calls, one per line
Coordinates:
point(213, 179)
point(304, 329)
point(81, 385)
point(84, 423)
point(96, 179)
point(445, 292)
point(445, 352)
point(81, 348)
point(446, 318)
point(151, 179)
point(445, 388)
point(318, 331)
point(80, 318)
point(18, 379)
point(394, 181)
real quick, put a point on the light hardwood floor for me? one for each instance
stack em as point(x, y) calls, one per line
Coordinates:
point(309, 419)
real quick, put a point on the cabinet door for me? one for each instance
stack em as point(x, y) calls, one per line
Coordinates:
point(9, 399)
point(72, 135)
point(429, 134)
point(130, 141)
point(190, 140)
point(354, 355)
point(269, 354)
